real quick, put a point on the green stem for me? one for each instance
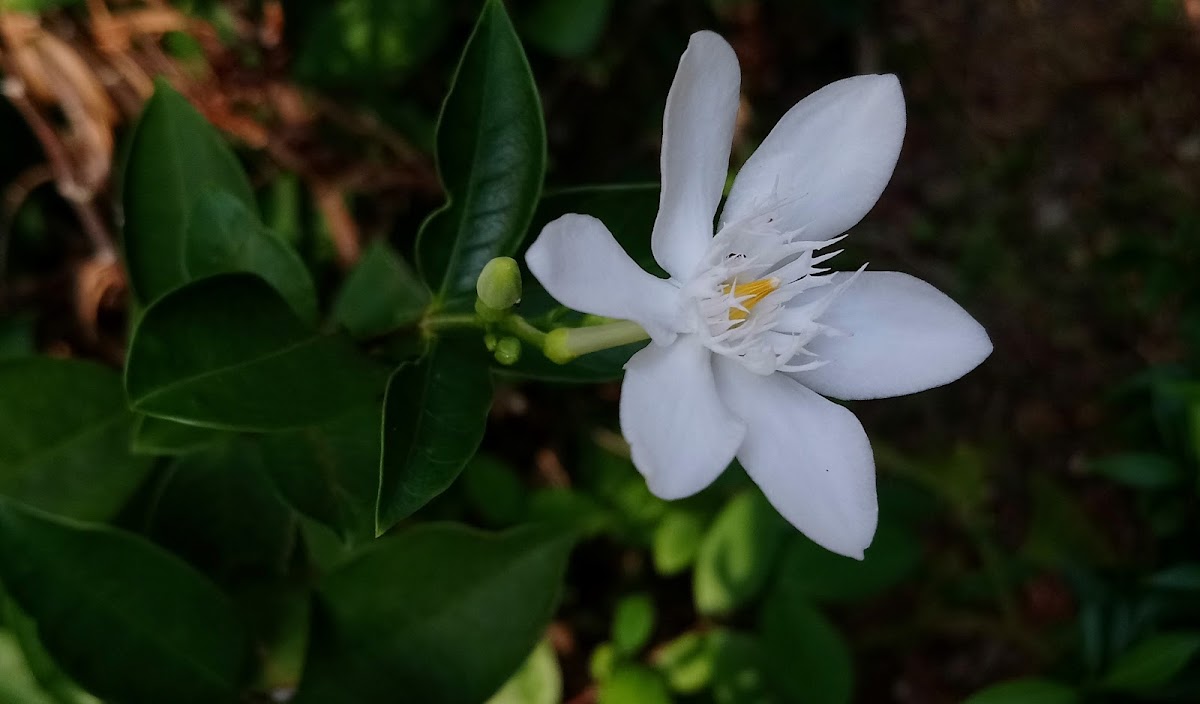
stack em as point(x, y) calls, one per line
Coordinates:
point(565, 344)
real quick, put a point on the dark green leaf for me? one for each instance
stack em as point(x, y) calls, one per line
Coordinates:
point(737, 555)
point(381, 294)
point(35, 661)
point(804, 656)
point(228, 352)
point(225, 236)
point(330, 472)
point(175, 156)
point(433, 419)
point(567, 28)
point(16, 337)
point(1025, 691)
point(65, 441)
point(399, 618)
point(127, 620)
point(495, 491)
point(815, 573)
point(158, 436)
point(363, 42)
point(1140, 470)
point(1152, 662)
point(1183, 577)
point(738, 668)
point(217, 509)
point(491, 153)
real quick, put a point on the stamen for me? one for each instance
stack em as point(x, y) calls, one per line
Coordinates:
point(748, 295)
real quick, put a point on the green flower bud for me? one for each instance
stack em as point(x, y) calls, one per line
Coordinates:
point(499, 284)
point(489, 341)
point(508, 351)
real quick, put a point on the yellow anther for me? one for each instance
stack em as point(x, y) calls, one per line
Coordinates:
point(749, 294)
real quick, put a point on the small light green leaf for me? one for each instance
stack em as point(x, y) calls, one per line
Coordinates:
point(633, 623)
point(804, 656)
point(687, 662)
point(491, 154)
point(17, 683)
point(433, 420)
point(225, 236)
point(1152, 662)
point(1025, 691)
point(738, 676)
point(228, 352)
point(738, 553)
point(364, 42)
point(158, 436)
point(380, 295)
point(330, 472)
point(216, 509)
point(634, 684)
point(35, 661)
point(677, 540)
point(127, 620)
point(567, 28)
point(1140, 470)
point(65, 441)
point(815, 573)
point(539, 681)
point(175, 155)
point(397, 618)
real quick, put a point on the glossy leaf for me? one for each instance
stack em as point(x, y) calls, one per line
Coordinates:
point(217, 509)
point(433, 420)
point(330, 472)
point(381, 294)
point(158, 436)
point(491, 154)
point(127, 620)
point(65, 441)
point(804, 656)
point(228, 352)
point(815, 573)
point(738, 553)
point(1025, 691)
point(225, 236)
point(1152, 662)
point(398, 617)
point(175, 155)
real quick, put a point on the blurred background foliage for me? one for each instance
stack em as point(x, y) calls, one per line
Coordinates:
point(1039, 525)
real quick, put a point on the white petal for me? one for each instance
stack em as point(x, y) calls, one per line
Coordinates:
point(825, 163)
point(583, 267)
point(680, 434)
point(809, 456)
point(697, 136)
point(901, 335)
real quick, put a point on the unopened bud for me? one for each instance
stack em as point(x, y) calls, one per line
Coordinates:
point(489, 341)
point(508, 351)
point(499, 284)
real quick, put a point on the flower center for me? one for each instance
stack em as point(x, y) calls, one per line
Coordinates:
point(747, 297)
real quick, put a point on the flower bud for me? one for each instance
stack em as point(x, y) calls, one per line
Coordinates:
point(490, 341)
point(499, 284)
point(508, 350)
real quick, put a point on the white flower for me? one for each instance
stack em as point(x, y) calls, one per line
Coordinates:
point(750, 332)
